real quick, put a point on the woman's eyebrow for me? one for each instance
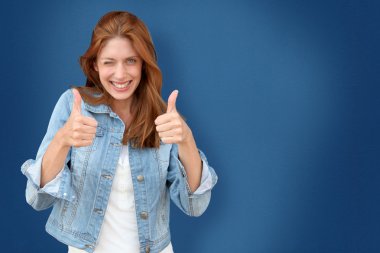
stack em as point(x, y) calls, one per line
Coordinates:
point(109, 58)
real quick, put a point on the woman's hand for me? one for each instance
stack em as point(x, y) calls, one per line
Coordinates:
point(173, 129)
point(79, 130)
point(170, 126)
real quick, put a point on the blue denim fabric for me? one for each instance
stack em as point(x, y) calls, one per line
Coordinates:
point(79, 193)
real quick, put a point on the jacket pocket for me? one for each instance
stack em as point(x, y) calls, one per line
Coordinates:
point(162, 155)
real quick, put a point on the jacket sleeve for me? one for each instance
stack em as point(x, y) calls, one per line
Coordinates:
point(60, 187)
point(191, 203)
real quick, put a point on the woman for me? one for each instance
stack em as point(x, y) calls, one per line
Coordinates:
point(114, 153)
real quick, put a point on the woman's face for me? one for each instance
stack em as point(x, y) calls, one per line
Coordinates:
point(119, 68)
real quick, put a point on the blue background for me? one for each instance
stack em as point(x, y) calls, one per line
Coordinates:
point(282, 96)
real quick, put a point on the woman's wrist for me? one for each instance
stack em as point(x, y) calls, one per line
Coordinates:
point(60, 138)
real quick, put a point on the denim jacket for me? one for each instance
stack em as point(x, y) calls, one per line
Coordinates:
point(79, 193)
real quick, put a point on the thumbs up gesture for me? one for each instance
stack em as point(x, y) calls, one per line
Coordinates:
point(79, 130)
point(170, 126)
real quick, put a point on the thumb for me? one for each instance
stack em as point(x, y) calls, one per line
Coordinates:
point(76, 102)
point(171, 101)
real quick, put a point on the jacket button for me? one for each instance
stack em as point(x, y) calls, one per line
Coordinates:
point(140, 178)
point(98, 211)
point(144, 215)
point(107, 176)
point(89, 246)
point(147, 249)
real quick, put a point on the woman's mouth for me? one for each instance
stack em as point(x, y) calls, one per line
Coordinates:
point(121, 85)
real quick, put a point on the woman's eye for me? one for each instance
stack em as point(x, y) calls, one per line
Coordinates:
point(107, 63)
point(131, 61)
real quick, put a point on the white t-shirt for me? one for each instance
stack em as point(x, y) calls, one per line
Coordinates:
point(119, 233)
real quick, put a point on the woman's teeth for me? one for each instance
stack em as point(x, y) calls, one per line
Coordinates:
point(121, 85)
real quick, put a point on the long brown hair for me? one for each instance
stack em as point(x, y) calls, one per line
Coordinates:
point(147, 103)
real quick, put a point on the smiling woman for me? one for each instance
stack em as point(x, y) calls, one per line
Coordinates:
point(115, 152)
point(122, 50)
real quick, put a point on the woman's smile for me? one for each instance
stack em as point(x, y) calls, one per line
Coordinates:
point(121, 85)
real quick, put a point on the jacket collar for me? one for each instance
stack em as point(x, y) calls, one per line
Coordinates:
point(102, 108)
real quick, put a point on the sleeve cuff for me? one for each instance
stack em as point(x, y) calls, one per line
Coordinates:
point(206, 179)
point(32, 170)
point(52, 187)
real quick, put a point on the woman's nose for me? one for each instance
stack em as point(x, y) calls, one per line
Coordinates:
point(120, 71)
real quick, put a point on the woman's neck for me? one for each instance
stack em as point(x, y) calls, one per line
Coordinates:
point(122, 109)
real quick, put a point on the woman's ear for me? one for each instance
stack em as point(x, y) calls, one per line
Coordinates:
point(95, 65)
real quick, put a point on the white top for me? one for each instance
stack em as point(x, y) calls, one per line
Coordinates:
point(119, 233)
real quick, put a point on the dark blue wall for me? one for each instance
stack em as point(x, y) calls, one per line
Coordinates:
point(282, 96)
